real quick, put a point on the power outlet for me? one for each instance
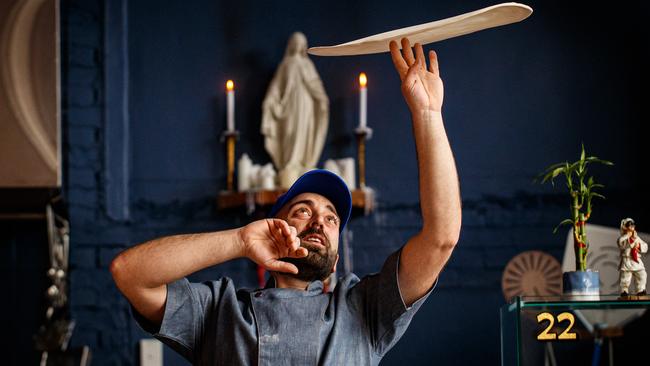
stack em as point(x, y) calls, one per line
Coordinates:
point(151, 352)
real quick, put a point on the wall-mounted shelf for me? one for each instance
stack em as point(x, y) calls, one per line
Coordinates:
point(25, 203)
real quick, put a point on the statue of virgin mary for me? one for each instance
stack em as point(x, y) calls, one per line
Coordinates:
point(295, 114)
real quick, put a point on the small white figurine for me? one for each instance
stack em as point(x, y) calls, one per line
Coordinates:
point(631, 266)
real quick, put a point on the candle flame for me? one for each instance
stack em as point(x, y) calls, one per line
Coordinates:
point(363, 80)
point(230, 85)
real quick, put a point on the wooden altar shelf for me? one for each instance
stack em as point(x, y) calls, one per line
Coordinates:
point(361, 199)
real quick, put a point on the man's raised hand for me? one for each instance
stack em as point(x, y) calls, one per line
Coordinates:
point(266, 241)
point(422, 88)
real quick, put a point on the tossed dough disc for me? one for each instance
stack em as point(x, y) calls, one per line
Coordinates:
point(490, 17)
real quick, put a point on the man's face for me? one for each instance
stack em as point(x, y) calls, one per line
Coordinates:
point(317, 223)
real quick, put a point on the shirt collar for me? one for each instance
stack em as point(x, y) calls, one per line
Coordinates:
point(315, 287)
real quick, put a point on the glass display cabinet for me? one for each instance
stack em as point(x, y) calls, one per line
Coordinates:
point(559, 330)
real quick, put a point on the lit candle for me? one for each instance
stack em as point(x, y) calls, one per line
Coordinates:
point(230, 87)
point(363, 99)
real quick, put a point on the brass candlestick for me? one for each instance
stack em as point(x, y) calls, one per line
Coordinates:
point(230, 137)
point(363, 134)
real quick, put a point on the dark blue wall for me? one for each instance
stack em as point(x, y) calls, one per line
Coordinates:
point(518, 98)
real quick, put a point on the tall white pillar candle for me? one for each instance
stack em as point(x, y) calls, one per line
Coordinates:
point(347, 172)
point(244, 171)
point(363, 100)
point(230, 112)
point(332, 167)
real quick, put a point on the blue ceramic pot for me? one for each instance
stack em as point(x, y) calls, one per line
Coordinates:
point(581, 285)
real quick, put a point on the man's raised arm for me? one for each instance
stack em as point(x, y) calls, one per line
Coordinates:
point(426, 253)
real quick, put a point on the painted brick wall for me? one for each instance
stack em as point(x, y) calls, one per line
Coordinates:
point(101, 315)
point(463, 313)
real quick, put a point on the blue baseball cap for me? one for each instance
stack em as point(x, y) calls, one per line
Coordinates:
point(325, 183)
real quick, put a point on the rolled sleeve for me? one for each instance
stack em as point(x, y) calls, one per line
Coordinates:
point(381, 303)
point(185, 309)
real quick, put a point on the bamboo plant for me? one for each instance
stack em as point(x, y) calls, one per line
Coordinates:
point(582, 191)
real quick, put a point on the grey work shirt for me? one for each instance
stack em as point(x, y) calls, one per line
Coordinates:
point(211, 323)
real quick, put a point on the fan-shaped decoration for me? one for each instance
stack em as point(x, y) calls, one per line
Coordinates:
point(532, 273)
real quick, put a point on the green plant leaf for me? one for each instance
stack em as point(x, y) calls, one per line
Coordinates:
point(594, 194)
point(593, 159)
point(579, 185)
point(552, 167)
point(553, 173)
point(564, 222)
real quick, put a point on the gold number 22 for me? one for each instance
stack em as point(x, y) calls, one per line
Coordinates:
point(546, 334)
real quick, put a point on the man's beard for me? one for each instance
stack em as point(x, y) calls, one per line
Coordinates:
point(318, 263)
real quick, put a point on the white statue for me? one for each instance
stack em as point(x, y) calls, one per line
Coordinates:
point(295, 114)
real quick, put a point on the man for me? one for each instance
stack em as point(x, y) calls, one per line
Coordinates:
point(292, 321)
point(631, 247)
